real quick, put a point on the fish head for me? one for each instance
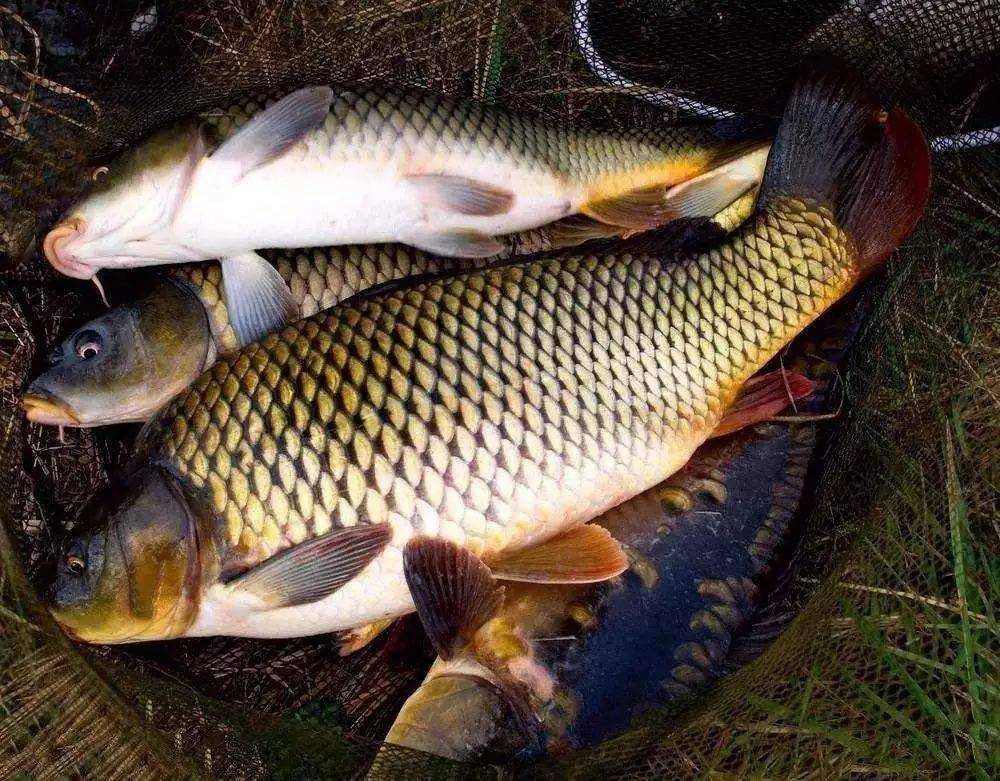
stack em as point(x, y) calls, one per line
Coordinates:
point(126, 364)
point(464, 716)
point(125, 219)
point(131, 570)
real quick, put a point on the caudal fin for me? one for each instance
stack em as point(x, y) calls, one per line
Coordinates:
point(838, 145)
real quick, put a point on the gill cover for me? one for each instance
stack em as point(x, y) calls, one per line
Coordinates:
point(132, 571)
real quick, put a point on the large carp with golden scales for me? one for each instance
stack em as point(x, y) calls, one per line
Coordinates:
point(408, 450)
point(328, 166)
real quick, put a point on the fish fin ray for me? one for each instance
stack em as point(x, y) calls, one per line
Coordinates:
point(258, 300)
point(355, 639)
point(577, 229)
point(838, 145)
point(461, 194)
point(585, 554)
point(704, 195)
point(761, 398)
point(453, 590)
point(271, 132)
point(459, 244)
point(711, 192)
point(316, 568)
point(636, 210)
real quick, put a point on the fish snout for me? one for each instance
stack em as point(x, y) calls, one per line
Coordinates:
point(40, 406)
point(59, 254)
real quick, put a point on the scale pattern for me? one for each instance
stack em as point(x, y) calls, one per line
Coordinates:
point(495, 407)
point(319, 277)
point(378, 124)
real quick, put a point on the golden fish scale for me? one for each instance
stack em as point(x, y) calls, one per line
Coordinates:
point(376, 124)
point(474, 407)
point(320, 277)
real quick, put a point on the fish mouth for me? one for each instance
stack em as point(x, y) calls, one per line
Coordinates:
point(55, 251)
point(48, 410)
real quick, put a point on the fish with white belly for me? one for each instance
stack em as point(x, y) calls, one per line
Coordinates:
point(324, 167)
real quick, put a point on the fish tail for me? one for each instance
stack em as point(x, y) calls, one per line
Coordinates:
point(871, 167)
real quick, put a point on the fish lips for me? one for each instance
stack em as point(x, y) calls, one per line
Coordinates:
point(42, 406)
point(56, 252)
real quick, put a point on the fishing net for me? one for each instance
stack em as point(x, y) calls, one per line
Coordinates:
point(890, 665)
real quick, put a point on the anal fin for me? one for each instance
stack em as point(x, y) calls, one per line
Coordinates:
point(355, 639)
point(585, 554)
point(763, 397)
point(453, 591)
point(704, 195)
point(577, 229)
point(315, 568)
point(258, 300)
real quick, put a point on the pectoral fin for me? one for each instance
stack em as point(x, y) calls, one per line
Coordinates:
point(453, 591)
point(258, 300)
point(316, 568)
point(586, 554)
point(763, 397)
point(274, 130)
point(458, 244)
point(462, 195)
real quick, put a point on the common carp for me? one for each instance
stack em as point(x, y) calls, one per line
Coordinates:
point(355, 166)
point(408, 450)
point(568, 666)
point(126, 364)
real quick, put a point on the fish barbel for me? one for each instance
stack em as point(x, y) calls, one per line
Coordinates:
point(407, 450)
point(129, 362)
point(324, 166)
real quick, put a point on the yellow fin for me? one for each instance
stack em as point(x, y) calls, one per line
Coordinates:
point(354, 640)
point(703, 195)
point(575, 230)
point(586, 554)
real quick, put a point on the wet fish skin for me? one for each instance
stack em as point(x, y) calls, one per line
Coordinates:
point(319, 278)
point(493, 408)
point(483, 413)
point(548, 672)
point(444, 174)
point(151, 349)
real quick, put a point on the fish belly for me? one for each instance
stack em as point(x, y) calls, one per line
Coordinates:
point(305, 199)
point(380, 590)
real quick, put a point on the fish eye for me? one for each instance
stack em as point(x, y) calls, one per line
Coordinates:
point(87, 344)
point(75, 564)
point(99, 173)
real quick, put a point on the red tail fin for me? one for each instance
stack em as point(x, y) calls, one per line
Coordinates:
point(761, 398)
point(838, 145)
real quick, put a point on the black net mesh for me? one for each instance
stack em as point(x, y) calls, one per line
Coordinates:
point(889, 667)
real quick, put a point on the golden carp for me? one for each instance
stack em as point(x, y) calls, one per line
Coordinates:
point(324, 166)
point(569, 666)
point(408, 450)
